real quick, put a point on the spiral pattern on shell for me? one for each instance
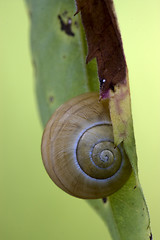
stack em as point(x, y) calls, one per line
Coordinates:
point(78, 149)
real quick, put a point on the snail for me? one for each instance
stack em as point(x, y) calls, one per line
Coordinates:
point(78, 149)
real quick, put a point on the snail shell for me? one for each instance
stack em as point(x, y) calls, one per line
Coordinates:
point(78, 149)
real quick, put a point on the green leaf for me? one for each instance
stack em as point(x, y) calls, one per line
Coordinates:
point(58, 58)
point(59, 51)
point(125, 213)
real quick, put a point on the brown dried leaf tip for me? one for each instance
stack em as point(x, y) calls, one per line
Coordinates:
point(104, 42)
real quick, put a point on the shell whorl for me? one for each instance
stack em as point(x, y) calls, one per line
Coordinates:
point(78, 149)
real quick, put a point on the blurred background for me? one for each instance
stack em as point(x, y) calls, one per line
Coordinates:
point(32, 207)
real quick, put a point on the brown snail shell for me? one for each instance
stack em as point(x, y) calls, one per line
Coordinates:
point(78, 149)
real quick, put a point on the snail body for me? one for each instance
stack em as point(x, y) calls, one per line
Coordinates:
point(78, 149)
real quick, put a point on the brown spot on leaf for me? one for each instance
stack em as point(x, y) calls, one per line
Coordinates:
point(65, 13)
point(29, 12)
point(66, 27)
point(34, 66)
point(76, 24)
point(104, 42)
point(51, 99)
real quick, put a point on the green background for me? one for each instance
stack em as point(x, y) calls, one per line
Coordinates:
point(31, 206)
